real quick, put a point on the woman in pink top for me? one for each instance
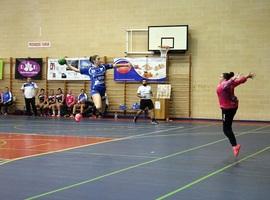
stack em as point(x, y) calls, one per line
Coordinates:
point(70, 101)
point(229, 103)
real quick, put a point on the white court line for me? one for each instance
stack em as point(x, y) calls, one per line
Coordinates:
point(112, 155)
point(133, 167)
point(103, 142)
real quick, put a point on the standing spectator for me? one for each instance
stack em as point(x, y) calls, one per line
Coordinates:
point(29, 90)
point(144, 92)
point(7, 99)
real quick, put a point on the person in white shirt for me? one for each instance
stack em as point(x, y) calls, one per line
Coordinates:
point(29, 90)
point(144, 92)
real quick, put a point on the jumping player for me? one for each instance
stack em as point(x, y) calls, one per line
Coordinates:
point(96, 71)
point(229, 104)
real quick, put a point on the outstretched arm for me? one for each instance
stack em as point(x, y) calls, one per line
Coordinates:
point(239, 79)
point(251, 75)
point(70, 67)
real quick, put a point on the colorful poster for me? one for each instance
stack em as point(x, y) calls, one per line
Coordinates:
point(151, 69)
point(164, 91)
point(1, 69)
point(28, 67)
point(59, 72)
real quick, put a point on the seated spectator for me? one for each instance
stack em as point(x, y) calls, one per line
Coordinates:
point(1, 102)
point(7, 100)
point(89, 109)
point(42, 101)
point(51, 103)
point(60, 98)
point(70, 101)
point(81, 99)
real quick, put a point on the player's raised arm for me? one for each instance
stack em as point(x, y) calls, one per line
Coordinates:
point(63, 61)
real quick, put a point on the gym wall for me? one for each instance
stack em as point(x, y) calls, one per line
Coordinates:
point(223, 36)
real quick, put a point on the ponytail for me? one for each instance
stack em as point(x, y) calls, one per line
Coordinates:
point(92, 58)
point(228, 76)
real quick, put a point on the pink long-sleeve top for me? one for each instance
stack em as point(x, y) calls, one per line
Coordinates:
point(225, 92)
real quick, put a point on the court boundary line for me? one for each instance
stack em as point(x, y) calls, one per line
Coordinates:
point(87, 145)
point(211, 174)
point(137, 165)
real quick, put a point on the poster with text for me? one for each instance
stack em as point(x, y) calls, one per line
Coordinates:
point(28, 67)
point(59, 72)
point(164, 91)
point(151, 69)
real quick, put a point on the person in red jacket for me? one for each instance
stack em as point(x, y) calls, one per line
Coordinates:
point(229, 104)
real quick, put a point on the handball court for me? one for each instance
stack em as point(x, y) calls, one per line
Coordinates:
point(59, 159)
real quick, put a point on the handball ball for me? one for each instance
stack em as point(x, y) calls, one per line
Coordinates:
point(78, 117)
point(62, 61)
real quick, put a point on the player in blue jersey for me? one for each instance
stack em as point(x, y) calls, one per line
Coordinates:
point(6, 100)
point(81, 100)
point(96, 71)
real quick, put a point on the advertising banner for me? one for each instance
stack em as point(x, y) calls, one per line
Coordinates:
point(28, 67)
point(59, 72)
point(151, 69)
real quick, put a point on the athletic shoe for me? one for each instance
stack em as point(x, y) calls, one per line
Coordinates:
point(58, 116)
point(236, 150)
point(135, 119)
point(154, 122)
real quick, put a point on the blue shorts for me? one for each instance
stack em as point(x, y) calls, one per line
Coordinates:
point(98, 90)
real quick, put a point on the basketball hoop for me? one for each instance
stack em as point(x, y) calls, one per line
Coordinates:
point(163, 51)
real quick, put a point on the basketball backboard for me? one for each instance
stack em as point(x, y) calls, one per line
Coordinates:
point(174, 36)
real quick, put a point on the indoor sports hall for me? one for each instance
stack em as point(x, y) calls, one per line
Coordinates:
point(128, 100)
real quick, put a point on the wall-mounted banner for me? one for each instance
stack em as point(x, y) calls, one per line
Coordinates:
point(28, 67)
point(151, 69)
point(1, 69)
point(59, 72)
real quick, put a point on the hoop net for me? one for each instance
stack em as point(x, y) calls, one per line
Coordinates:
point(163, 51)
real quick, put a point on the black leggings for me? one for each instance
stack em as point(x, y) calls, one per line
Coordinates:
point(227, 118)
point(30, 103)
point(6, 105)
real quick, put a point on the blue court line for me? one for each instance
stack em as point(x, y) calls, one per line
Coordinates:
point(135, 166)
point(189, 185)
